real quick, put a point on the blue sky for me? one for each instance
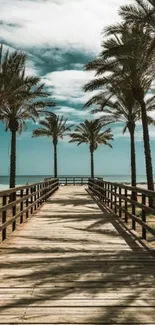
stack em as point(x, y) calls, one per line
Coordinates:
point(59, 37)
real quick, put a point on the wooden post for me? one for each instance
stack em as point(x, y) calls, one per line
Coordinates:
point(106, 192)
point(38, 188)
point(143, 216)
point(108, 195)
point(31, 199)
point(44, 191)
point(133, 211)
point(21, 206)
point(40, 194)
point(111, 197)
point(115, 199)
point(14, 210)
point(120, 203)
point(4, 201)
point(27, 202)
point(126, 206)
point(35, 198)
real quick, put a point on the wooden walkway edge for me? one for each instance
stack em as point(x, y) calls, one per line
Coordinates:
point(72, 263)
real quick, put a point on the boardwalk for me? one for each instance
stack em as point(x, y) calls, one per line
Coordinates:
point(71, 263)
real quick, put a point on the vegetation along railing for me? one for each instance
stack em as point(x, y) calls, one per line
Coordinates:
point(18, 203)
point(130, 203)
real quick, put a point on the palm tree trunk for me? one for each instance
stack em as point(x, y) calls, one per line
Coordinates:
point(92, 163)
point(133, 157)
point(147, 149)
point(13, 160)
point(55, 160)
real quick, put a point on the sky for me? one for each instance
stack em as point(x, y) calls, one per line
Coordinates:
point(59, 37)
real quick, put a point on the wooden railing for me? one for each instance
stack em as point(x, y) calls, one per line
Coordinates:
point(20, 202)
point(73, 180)
point(128, 202)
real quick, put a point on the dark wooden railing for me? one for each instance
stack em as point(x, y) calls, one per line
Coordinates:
point(73, 180)
point(20, 202)
point(128, 202)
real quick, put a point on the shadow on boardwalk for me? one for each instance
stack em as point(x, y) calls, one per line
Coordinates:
point(85, 267)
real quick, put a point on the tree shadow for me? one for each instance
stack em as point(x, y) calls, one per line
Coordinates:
point(87, 269)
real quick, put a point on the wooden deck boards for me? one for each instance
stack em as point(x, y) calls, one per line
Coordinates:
point(71, 263)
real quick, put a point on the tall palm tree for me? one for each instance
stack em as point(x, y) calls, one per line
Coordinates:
point(91, 132)
point(123, 109)
point(20, 99)
point(128, 53)
point(119, 106)
point(54, 127)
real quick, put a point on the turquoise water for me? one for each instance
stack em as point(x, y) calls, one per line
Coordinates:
point(21, 180)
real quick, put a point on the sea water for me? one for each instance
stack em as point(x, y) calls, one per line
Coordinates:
point(30, 179)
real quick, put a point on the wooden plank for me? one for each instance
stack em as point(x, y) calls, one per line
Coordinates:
point(73, 264)
point(96, 315)
point(42, 301)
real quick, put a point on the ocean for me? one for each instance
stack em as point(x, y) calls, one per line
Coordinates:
point(23, 179)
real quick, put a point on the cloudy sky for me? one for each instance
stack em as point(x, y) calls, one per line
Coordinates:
point(59, 38)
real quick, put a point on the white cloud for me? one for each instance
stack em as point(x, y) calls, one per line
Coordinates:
point(72, 112)
point(71, 122)
point(75, 24)
point(31, 69)
point(80, 114)
point(68, 85)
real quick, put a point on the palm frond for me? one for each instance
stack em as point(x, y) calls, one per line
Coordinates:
point(90, 132)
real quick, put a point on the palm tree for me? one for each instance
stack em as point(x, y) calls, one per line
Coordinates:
point(128, 53)
point(119, 106)
point(20, 99)
point(142, 11)
point(90, 132)
point(54, 127)
point(123, 109)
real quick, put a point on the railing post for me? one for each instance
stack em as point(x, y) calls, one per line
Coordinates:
point(21, 206)
point(133, 211)
point(108, 195)
point(14, 211)
point(31, 199)
point(66, 181)
point(111, 196)
point(115, 199)
point(41, 194)
point(126, 206)
point(143, 216)
point(27, 202)
point(38, 188)
point(35, 198)
point(102, 191)
point(45, 192)
point(120, 203)
point(4, 217)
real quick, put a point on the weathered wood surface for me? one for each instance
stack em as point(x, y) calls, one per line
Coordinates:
point(71, 263)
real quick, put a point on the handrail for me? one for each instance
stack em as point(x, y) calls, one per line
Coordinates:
point(31, 198)
point(117, 197)
point(73, 180)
